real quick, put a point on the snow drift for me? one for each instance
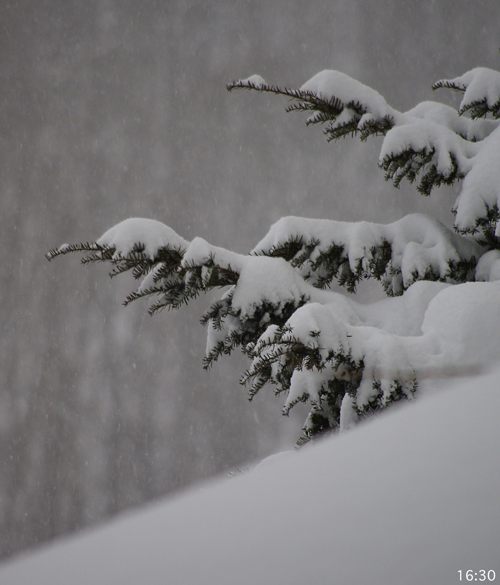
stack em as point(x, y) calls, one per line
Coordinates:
point(408, 498)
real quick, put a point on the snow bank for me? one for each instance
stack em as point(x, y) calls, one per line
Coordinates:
point(409, 498)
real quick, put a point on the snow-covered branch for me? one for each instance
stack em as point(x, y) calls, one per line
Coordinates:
point(347, 360)
point(317, 346)
point(431, 144)
point(413, 248)
point(346, 105)
point(481, 89)
point(343, 358)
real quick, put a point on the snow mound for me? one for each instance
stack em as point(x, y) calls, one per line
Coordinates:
point(331, 84)
point(409, 498)
point(151, 233)
point(254, 80)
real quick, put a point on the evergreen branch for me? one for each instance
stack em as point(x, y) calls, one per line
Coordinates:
point(101, 253)
point(461, 271)
point(409, 163)
point(321, 262)
point(218, 311)
point(305, 254)
point(381, 257)
point(293, 354)
point(244, 330)
point(318, 118)
point(480, 109)
point(307, 100)
point(142, 293)
point(290, 249)
point(487, 224)
point(433, 178)
point(224, 347)
point(337, 131)
point(449, 84)
point(324, 110)
point(480, 81)
point(376, 127)
point(174, 295)
point(135, 260)
point(395, 392)
point(327, 266)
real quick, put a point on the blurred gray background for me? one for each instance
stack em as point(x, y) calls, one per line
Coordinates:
point(118, 108)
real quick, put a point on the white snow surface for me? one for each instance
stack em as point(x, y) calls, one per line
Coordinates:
point(410, 497)
point(488, 267)
point(272, 280)
point(151, 233)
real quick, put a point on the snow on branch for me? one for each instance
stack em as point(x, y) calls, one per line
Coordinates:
point(170, 266)
point(430, 145)
point(346, 105)
point(343, 358)
point(481, 88)
point(263, 290)
point(428, 151)
point(348, 360)
point(398, 254)
point(476, 207)
point(446, 116)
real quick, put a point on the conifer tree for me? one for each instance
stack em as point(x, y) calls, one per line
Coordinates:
point(347, 359)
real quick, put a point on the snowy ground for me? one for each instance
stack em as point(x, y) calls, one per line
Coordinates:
point(411, 497)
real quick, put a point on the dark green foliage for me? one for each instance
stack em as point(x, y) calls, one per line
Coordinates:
point(487, 225)
point(376, 127)
point(381, 399)
point(303, 101)
point(244, 330)
point(278, 356)
point(176, 284)
point(409, 163)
